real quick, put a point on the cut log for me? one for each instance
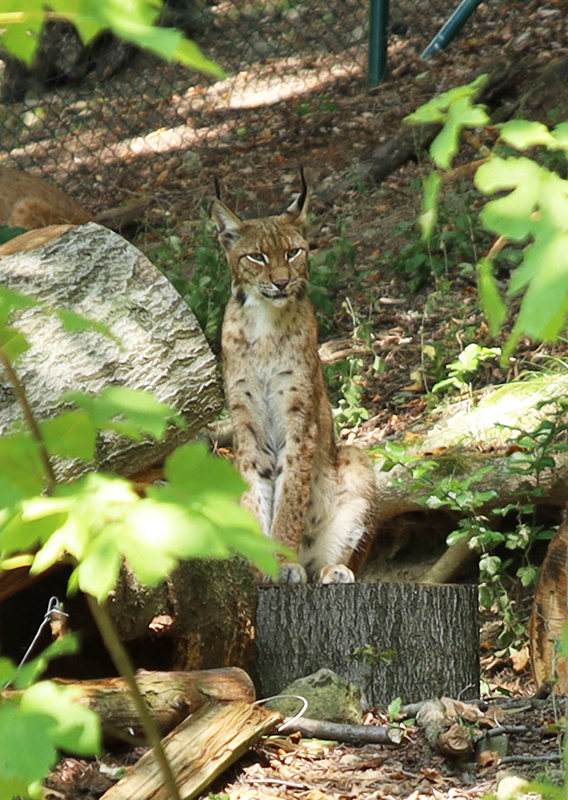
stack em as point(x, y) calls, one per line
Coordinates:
point(198, 750)
point(549, 615)
point(392, 640)
point(171, 697)
point(158, 344)
point(467, 440)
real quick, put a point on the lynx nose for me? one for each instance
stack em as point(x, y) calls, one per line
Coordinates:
point(282, 283)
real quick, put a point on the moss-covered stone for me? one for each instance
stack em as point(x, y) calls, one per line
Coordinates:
point(329, 697)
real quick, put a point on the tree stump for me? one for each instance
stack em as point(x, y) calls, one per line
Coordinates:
point(393, 640)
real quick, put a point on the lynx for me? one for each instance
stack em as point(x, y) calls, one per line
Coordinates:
point(30, 202)
point(307, 492)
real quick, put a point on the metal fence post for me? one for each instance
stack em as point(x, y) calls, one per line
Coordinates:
point(378, 40)
point(451, 27)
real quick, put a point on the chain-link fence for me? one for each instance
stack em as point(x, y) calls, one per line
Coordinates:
point(73, 117)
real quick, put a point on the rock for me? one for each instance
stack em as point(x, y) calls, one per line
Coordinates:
point(511, 786)
point(157, 342)
point(329, 697)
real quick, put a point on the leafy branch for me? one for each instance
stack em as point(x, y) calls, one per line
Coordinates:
point(139, 26)
point(531, 210)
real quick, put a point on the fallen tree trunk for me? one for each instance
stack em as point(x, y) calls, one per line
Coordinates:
point(392, 640)
point(472, 444)
point(503, 83)
point(171, 697)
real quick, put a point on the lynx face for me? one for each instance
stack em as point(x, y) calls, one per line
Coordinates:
point(268, 257)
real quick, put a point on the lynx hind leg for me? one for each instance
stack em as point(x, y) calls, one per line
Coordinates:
point(341, 537)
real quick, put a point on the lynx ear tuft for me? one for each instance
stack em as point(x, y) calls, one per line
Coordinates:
point(298, 208)
point(229, 225)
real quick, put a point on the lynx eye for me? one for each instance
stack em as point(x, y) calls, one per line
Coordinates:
point(257, 258)
point(293, 253)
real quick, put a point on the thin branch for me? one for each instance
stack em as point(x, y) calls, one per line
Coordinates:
point(18, 17)
point(123, 665)
point(551, 757)
point(30, 419)
point(497, 246)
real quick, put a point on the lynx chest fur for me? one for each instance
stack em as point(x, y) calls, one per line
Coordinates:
point(307, 492)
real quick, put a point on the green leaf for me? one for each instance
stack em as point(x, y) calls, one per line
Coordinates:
point(28, 673)
point(8, 232)
point(454, 110)
point(192, 471)
point(21, 535)
point(137, 22)
point(490, 565)
point(22, 39)
point(76, 322)
point(560, 134)
point(429, 217)
point(12, 342)
point(69, 538)
point(461, 114)
point(26, 752)
point(522, 134)
point(22, 469)
point(11, 301)
point(7, 671)
point(71, 726)
point(95, 503)
point(426, 115)
point(130, 412)
point(510, 216)
point(71, 434)
point(98, 571)
point(490, 299)
point(433, 110)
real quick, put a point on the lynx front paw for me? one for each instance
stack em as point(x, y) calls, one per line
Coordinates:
point(335, 573)
point(292, 573)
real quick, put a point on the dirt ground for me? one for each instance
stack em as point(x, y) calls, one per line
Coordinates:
point(257, 176)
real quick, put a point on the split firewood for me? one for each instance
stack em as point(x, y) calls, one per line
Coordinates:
point(171, 697)
point(442, 721)
point(342, 732)
point(198, 750)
